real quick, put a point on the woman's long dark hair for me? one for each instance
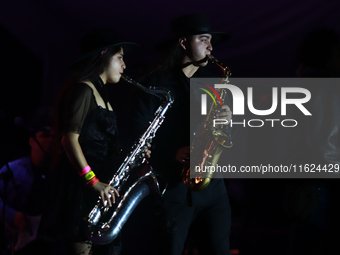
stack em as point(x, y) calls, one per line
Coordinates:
point(88, 69)
point(93, 66)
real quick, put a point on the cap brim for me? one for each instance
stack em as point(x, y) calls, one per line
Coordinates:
point(127, 46)
point(219, 37)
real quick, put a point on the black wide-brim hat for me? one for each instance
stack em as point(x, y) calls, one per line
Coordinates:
point(99, 40)
point(191, 24)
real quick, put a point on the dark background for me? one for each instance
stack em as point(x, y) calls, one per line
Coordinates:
point(39, 39)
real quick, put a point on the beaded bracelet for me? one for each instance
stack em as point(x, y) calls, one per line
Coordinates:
point(85, 170)
point(91, 182)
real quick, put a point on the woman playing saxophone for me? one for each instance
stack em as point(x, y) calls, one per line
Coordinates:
point(88, 137)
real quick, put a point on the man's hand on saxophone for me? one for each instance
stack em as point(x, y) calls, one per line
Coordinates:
point(224, 113)
point(183, 154)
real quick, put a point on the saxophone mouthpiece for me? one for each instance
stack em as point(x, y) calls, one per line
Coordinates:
point(211, 58)
point(125, 77)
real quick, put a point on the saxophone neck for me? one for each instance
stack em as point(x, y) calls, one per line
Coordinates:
point(225, 69)
point(159, 92)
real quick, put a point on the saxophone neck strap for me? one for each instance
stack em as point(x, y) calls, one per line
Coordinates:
point(100, 86)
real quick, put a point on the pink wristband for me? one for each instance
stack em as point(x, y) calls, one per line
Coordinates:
point(85, 170)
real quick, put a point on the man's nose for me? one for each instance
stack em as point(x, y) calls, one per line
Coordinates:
point(209, 47)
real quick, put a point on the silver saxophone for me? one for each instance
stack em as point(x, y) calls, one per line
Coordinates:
point(103, 224)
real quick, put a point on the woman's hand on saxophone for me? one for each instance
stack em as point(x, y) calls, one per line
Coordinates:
point(147, 151)
point(225, 113)
point(106, 192)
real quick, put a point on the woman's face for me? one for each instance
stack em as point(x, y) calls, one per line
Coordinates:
point(114, 68)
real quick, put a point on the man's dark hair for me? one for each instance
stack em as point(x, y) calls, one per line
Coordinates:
point(170, 56)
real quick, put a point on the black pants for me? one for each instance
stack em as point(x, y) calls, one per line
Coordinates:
point(208, 225)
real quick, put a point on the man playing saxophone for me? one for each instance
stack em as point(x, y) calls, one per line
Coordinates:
point(206, 213)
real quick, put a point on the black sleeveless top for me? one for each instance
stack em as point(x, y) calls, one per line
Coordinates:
point(68, 201)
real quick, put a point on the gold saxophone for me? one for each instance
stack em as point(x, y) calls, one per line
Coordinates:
point(209, 142)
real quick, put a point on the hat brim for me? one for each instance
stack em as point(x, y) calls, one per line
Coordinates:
point(217, 38)
point(127, 47)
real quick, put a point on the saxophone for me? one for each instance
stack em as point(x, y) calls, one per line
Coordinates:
point(209, 141)
point(134, 180)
